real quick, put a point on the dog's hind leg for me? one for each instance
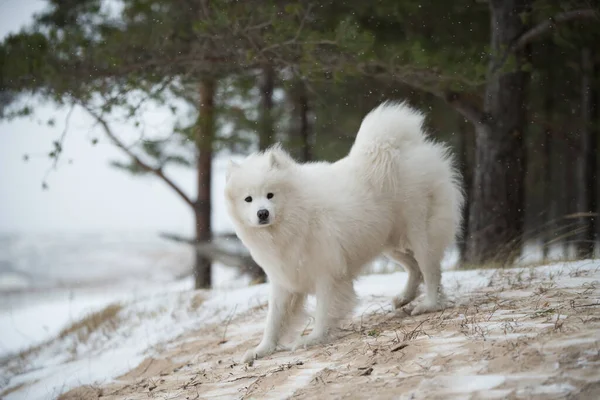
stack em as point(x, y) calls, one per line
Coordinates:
point(429, 261)
point(428, 253)
point(282, 305)
point(415, 277)
point(335, 299)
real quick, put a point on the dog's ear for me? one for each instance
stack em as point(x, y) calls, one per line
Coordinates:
point(231, 166)
point(273, 161)
point(278, 158)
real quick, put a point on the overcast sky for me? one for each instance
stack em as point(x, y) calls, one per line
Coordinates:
point(87, 195)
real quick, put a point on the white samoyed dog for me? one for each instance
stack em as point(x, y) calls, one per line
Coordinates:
point(312, 227)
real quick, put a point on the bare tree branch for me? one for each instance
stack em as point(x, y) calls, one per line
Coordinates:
point(117, 142)
point(543, 28)
point(430, 82)
point(470, 111)
point(546, 26)
point(58, 148)
point(61, 140)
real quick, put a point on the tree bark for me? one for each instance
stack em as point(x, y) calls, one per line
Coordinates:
point(300, 129)
point(304, 128)
point(466, 147)
point(266, 128)
point(550, 206)
point(592, 162)
point(202, 206)
point(497, 208)
point(586, 162)
point(596, 138)
point(570, 203)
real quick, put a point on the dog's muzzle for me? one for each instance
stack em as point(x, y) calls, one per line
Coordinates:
point(263, 216)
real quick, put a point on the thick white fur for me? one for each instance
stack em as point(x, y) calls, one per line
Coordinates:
point(396, 193)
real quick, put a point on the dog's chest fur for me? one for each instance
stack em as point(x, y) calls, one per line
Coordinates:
point(287, 260)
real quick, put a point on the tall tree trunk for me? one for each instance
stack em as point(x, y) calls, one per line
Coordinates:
point(305, 129)
point(550, 207)
point(266, 128)
point(496, 215)
point(586, 162)
point(593, 175)
point(596, 138)
point(466, 147)
point(300, 128)
point(202, 211)
point(570, 187)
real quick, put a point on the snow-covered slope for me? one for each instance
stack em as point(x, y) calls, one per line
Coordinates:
point(524, 332)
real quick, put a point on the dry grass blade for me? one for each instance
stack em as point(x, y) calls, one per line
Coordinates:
point(228, 321)
point(399, 347)
point(107, 318)
point(415, 332)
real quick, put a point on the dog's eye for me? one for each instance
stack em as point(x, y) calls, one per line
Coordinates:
point(269, 195)
point(248, 199)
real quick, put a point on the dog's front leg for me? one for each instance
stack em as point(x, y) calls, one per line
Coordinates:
point(279, 302)
point(326, 294)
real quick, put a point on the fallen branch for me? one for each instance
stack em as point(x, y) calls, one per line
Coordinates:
point(216, 253)
point(226, 249)
point(182, 239)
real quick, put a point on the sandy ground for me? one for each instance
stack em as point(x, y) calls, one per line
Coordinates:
point(526, 335)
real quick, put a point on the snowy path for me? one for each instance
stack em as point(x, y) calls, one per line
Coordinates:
point(517, 333)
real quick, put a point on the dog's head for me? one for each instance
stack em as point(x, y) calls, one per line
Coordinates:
point(256, 188)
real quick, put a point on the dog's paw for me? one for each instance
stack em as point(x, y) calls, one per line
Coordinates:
point(400, 301)
point(305, 342)
point(426, 307)
point(259, 351)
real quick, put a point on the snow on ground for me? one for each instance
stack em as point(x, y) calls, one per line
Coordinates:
point(29, 318)
point(515, 333)
point(50, 280)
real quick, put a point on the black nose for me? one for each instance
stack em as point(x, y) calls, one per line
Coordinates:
point(263, 215)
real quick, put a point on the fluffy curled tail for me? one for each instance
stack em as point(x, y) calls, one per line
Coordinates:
point(387, 131)
point(392, 149)
point(391, 125)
